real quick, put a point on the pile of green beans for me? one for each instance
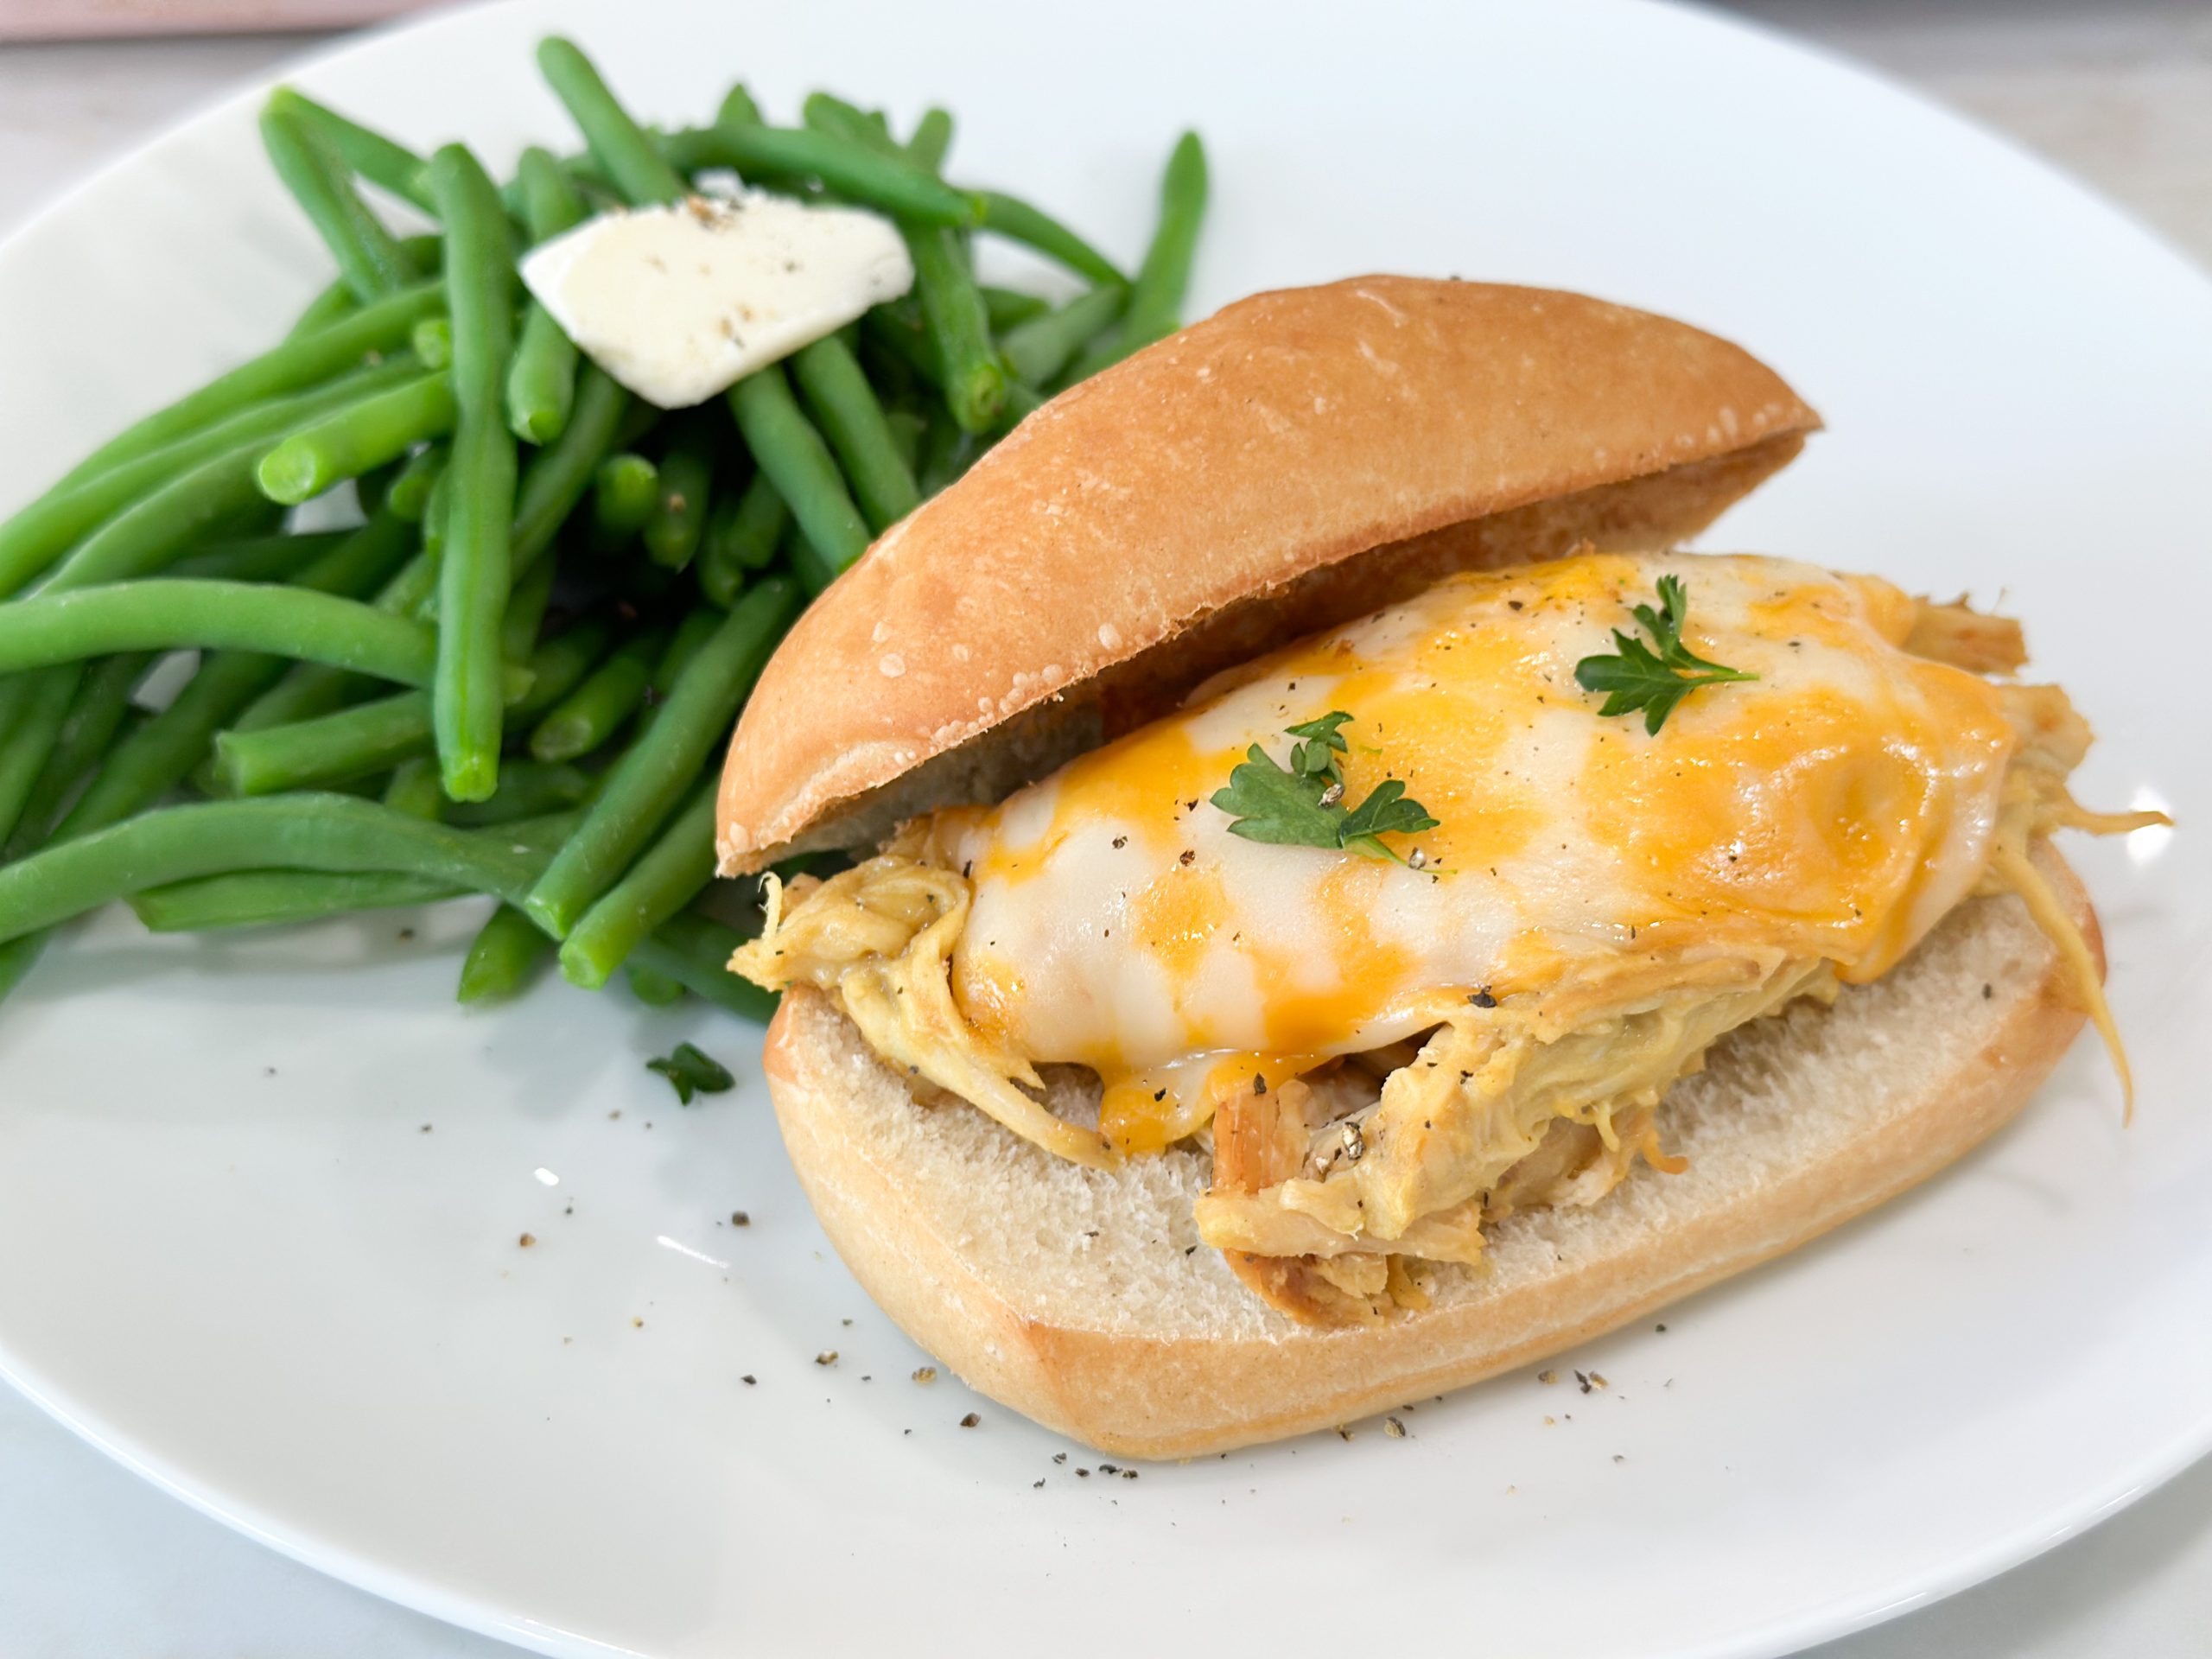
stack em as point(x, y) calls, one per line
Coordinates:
point(513, 676)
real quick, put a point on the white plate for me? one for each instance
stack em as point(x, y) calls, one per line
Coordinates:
point(235, 1257)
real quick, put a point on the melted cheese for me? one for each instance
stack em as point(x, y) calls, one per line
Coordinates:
point(1832, 811)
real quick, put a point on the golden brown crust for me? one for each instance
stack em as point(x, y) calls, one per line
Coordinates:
point(1181, 1395)
point(1292, 433)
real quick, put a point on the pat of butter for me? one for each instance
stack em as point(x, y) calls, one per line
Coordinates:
point(678, 301)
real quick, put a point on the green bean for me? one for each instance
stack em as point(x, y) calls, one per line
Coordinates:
point(908, 426)
point(364, 740)
point(346, 743)
point(1039, 349)
point(558, 667)
point(638, 168)
point(542, 379)
point(96, 718)
point(19, 957)
point(1021, 402)
point(901, 335)
point(276, 898)
point(1156, 297)
point(841, 118)
point(408, 498)
point(526, 608)
point(742, 539)
point(333, 833)
point(678, 518)
point(335, 301)
point(933, 139)
point(803, 559)
point(477, 571)
point(559, 474)
point(30, 724)
point(414, 789)
point(368, 255)
point(737, 109)
point(370, 487)
point(799, 463)
point(549, 202)
point(528, 788)
point(653, 772)
point(139, 511)
point(843, 406)
point(253, 898)
point(381, 160)
point(1016, 221)
point(369, 738)
point(624, 489)
point(1008, 307)
point(435, 521)
point(669, 875)
point(296, 364)
point(973, 378)
point(639, 418)
point(590, 714)
point(352, 440)
point(310, 690)
point(655, 990)
point(695, 952)
point(859, 173)
point(431, 340)
point(947, 452)
point(260, 558)
point(690, 637)
point(508, 952)
point(154, 759)
point(179, 614)
point(165, 523)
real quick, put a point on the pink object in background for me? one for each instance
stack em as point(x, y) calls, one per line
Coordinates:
point(81, 20)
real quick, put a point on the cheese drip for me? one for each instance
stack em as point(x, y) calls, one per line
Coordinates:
point(1832, 811)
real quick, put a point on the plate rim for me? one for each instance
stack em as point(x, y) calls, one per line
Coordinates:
point(1838, 1616)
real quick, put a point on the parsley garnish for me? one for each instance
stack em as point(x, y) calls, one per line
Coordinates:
point(689, 1072)
point(1636, 677)
point(1303, 805)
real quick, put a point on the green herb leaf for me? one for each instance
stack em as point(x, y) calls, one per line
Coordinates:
point(1635, 677)
point(1302, 804)
point(689, 1072)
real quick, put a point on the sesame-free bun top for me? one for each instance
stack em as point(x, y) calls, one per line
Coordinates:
point(1299, 458)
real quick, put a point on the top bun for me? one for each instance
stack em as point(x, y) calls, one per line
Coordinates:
point(1299, 458)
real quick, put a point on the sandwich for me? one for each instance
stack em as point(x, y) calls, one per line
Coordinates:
point(1291, 894)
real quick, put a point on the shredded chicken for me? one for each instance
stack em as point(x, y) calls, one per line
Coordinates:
point(880, 936)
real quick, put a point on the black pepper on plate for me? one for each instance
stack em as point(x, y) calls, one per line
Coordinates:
point(970, 1420)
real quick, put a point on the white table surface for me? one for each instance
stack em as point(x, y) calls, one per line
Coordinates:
point(94, 1562)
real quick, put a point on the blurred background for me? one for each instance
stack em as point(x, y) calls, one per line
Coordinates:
point(2117, 92)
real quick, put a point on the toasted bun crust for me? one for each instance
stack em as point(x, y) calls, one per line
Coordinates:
point(1297, 459)
point(1072, 1295)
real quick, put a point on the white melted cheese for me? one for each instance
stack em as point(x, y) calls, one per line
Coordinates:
point(1833, 809)
point(679, 302)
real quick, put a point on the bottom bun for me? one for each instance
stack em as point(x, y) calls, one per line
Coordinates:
point(1084, 1299)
